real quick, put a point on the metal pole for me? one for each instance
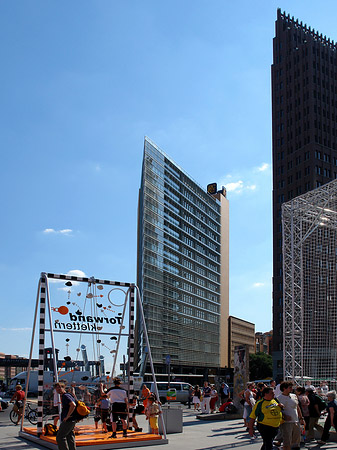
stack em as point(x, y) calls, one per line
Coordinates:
point(120, 332)
point(150, 356)
point(56, 375)
point(30, 353)
point(169, 380)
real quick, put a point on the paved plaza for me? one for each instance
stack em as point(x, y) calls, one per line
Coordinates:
point(197, 435)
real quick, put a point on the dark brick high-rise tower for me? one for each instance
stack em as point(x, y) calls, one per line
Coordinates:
point(304, 109)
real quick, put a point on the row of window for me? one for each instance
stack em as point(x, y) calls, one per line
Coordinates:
point(195, 257)
point(155, 174)
point(151, 284)
point(156, 259)
point(152, 217)
point(323, 171)
point(306, 95)
point(306, 140)
point(293, 192)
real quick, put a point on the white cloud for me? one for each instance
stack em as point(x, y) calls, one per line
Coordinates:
point(235, 186)
point(247, 180)
point(73, 273)
point(65, 231)
point(263, 167)
point(258, 285)
point(239, 186)
point(76, 273)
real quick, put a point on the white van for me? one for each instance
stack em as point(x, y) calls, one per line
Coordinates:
point(182, 389)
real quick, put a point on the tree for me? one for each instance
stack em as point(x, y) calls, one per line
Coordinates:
point(260, 366)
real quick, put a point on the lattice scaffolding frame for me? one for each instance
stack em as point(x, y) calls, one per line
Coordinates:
point(309, 235)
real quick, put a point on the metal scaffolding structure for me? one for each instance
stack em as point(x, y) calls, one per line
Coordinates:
point(309, 232)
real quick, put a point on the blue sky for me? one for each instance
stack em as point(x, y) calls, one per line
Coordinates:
point(82, 83)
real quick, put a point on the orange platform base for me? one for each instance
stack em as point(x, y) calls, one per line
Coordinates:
point(91, 439)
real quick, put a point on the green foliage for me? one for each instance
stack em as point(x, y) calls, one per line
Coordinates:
point(260, 366)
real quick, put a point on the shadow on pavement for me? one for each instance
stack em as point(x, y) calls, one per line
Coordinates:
point(18, 443)
point(194, 423)
point(226, 446)
point(238, 428)
point(244, 435)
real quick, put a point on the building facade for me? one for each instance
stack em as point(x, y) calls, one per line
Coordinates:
point(11, 368)
point(182, 269)
point(264, 342)
point(304, 115)
point(240, 334)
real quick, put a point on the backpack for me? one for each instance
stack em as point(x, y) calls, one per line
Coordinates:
point(50, 429)
point(81, 411)
point(105, 404)
point(320, 403)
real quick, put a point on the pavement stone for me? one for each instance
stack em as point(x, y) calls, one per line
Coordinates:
point(197, 435)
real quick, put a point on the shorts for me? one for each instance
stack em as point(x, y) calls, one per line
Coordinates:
point(247, 409)
point(97, 417)
point(104, 414)
point(196, 400)
point(118, 411)
point(154, 422)
point(291, 433)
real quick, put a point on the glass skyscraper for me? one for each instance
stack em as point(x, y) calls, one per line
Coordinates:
point(182, 268)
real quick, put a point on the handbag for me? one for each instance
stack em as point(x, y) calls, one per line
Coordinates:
point(50, 430)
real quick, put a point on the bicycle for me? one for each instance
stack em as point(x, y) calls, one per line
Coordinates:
point(30, 415)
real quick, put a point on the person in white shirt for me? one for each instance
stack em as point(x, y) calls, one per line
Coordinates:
point(249, 403)
point(119, 401)
point(277, 390)
point(291, 431)
point(324, 388)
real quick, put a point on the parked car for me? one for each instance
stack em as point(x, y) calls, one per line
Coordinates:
point(182, 390)
point(4, 403)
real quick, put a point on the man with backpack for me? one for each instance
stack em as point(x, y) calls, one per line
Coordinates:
point(267, 412)
point(316, 406)
point(65, 437)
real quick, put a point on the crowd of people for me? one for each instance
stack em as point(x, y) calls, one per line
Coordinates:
point(286, 414)
point(208, 400)
point(111, 407)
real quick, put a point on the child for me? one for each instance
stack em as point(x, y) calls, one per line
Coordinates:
point(104, 404)
point(136, 409)
point(152, 413)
